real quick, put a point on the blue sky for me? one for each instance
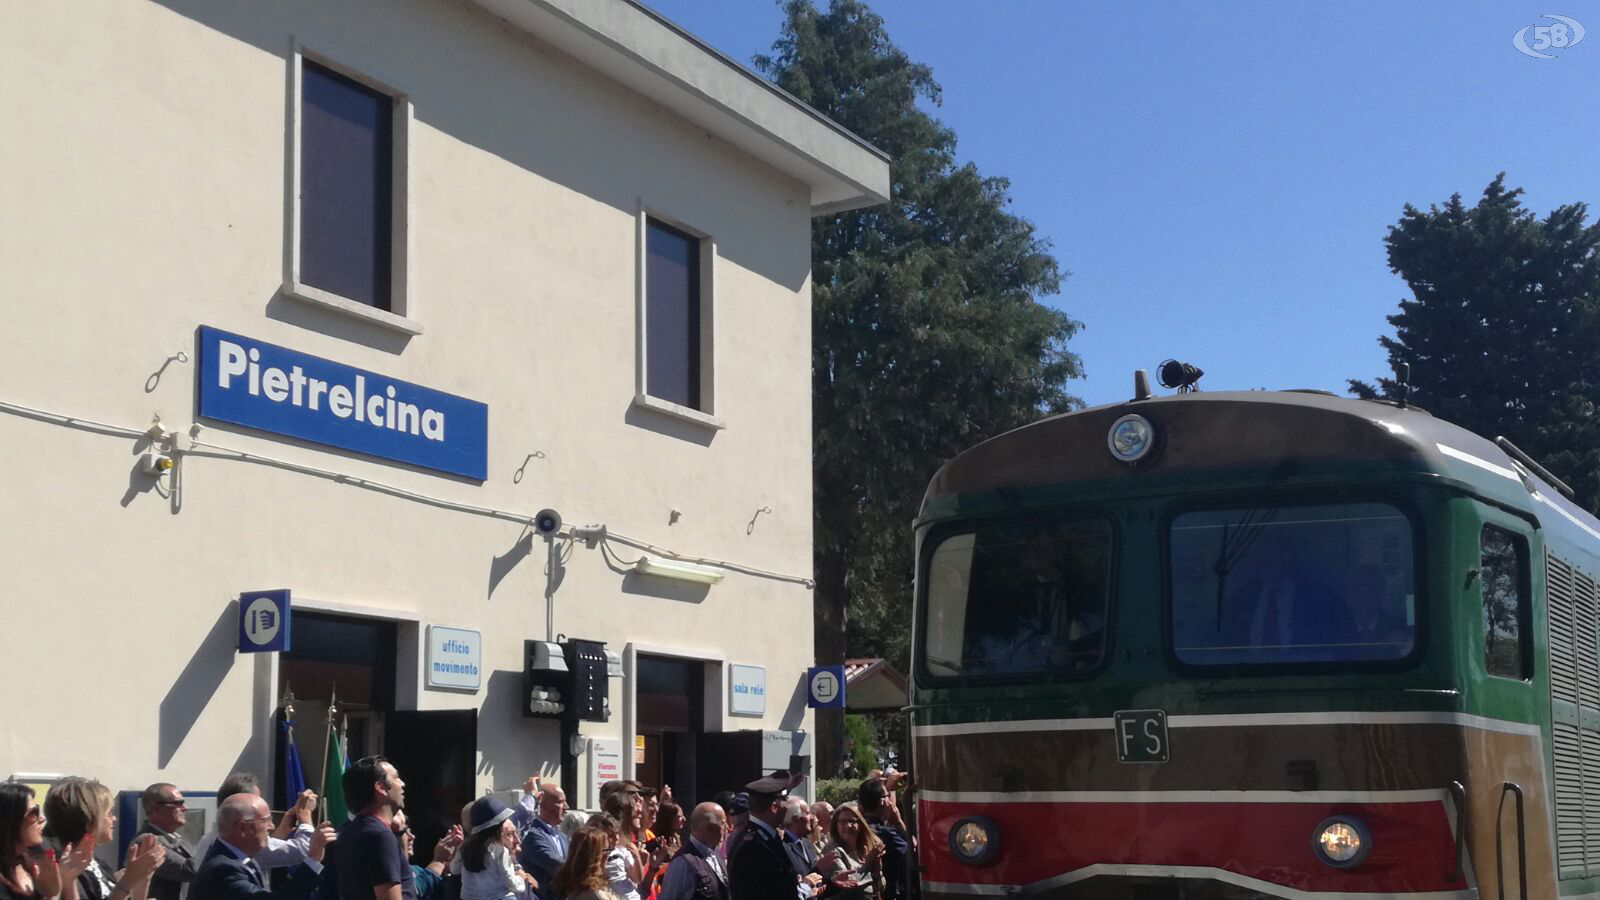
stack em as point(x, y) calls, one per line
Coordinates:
point(1218, 178)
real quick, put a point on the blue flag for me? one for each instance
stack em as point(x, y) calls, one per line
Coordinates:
point(294, 778)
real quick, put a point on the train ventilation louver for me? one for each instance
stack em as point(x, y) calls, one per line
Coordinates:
point(1573, 605)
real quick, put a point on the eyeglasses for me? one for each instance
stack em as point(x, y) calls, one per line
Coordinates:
point(34, 813)
point(175, 804)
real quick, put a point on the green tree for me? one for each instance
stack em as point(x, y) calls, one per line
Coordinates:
point(1502, 326)
point(928, 332)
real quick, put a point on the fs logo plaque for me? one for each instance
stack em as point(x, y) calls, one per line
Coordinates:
point(1141, 735)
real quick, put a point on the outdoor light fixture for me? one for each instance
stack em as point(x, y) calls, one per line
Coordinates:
point(1131, 438)
point(1341, 841)
point(678, 570)
point(975, 840)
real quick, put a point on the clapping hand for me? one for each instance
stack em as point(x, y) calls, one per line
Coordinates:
point(145, 855)
point(53, 872)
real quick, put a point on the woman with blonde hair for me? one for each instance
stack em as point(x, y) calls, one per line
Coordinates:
point(77, 811)
point(853, 861)
point(583, 875)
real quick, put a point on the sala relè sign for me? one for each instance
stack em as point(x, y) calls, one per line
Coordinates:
point(271, 388)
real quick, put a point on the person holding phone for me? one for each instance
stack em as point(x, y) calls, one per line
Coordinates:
point(853, 860)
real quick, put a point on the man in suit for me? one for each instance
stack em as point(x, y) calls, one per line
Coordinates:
point(759, 867)
point(797, 822)
point(164, 816)
point(229, 870)
point(538, 818)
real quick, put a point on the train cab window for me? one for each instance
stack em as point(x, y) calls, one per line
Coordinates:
point(1018, 599)
point(1327, 583)
point(1502, 573)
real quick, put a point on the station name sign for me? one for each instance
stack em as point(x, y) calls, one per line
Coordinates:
point(260, 385)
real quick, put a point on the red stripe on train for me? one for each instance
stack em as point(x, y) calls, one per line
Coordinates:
point(1412, 844)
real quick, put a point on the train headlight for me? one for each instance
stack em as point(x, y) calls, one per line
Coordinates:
point(1131, 438)
point(975, 840)
point(1341, 842)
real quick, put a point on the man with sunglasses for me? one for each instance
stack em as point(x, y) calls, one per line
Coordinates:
point(164, 816)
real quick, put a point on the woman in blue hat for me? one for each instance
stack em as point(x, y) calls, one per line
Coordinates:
point(488, 860)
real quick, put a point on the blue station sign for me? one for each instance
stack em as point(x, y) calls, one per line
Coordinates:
point(260, 385)
point(264, 621)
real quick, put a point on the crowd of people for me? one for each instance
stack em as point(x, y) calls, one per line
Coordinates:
point(756, 844)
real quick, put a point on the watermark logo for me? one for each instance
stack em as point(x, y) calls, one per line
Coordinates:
point(1566, 32)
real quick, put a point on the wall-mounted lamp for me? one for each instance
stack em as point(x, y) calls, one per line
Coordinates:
point(678, 570)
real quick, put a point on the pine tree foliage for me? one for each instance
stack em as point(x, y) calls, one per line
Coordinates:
point(928, 333)
point(1503, 326)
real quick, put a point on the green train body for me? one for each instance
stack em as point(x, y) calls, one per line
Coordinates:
point(1190, 747)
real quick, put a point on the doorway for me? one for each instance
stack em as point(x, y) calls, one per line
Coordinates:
point(670, 698)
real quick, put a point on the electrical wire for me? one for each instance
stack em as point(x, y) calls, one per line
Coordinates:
point(224, 452)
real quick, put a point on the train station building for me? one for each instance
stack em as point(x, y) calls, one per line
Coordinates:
point(311, 309)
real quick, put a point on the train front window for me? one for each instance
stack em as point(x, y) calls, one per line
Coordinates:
point(1018, 599)
point(1330, 583)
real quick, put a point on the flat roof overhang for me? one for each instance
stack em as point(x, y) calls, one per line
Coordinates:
point(635, 46)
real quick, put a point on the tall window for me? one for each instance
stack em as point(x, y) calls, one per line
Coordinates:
point(1502, 573)
point(346, 187)
point(672, 315)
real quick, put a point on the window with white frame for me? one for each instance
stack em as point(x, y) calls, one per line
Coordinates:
point(349, 195)
point(676, 317)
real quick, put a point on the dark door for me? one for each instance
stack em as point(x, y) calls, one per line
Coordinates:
point(435, 754)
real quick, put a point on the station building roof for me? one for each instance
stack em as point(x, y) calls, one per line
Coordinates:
point(637, 47)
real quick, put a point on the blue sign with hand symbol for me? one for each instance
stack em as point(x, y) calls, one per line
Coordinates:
point(264, 621)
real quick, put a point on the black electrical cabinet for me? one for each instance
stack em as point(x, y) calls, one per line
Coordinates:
point(586, 661)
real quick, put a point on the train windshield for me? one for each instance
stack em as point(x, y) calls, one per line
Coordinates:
point(1018, 599)
point(1293, 584)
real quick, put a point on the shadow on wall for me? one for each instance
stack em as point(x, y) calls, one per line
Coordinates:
point(662, 589)
point(454, 59)
point(333, 324)
point(519, 743)
point(667, 425)
point(795, 713)
point(501, 565)
point(198, 683)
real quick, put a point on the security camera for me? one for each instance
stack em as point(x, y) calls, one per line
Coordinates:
point(547, 523)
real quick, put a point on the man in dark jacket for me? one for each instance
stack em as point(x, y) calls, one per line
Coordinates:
point(164, 816)
point(229, 871)
point(697, 872)
point(759, 867)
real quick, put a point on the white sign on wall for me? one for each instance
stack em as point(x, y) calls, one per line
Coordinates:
point(747, 690)
point(455, 658)
point(605, 761)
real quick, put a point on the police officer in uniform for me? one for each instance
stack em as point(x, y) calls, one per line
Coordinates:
point(758, 865)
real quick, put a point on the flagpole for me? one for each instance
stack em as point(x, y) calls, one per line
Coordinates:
point(288, 734)
point(328, 735)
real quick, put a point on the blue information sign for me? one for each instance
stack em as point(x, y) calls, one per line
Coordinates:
point(264, 621)
point(825, 687)
point(261, 385)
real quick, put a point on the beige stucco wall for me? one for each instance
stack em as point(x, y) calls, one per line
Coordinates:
point(144, 154)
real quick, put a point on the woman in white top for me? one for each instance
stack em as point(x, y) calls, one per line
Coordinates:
point(625, 866)
point(488, 860)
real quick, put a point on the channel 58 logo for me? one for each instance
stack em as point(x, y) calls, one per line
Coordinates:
point(1564, 33)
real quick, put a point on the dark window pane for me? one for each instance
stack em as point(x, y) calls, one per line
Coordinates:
point(346, 179)
point(1019, 598)
point(1501, 575)
point(1293, 584)
point(672, 315)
